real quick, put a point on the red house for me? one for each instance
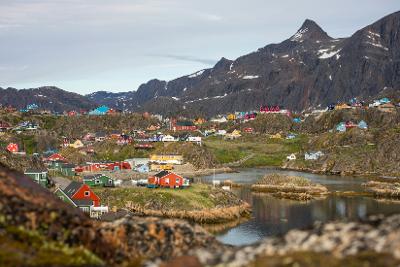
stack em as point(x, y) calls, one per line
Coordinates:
point(12, 147)
point(56, 157)
point(4, 126)
point(350, 124)
point(167, 179)
point(182, 126)
point(82, 195)
point(248, 130)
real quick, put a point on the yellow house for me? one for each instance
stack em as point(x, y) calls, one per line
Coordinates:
point(275, 136)
point(342, 106)
point(235, 134)
point(199, 121)
point(231, 117)
point(167, 159)
point(161, 167)
point(77, 144)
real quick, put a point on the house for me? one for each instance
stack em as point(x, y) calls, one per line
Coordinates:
point(219, 120)
point(384, 100)
point(68, 169)
point(297, 120)
point(12, 148)
point(168, 138)
point(39, 176)
point(72, 113)
point(134, 162)
point(221, 132)
point(182, 125)
point(291, 157)
point(115, 134)
point(272, 109)
point(152, 128)
point(231, 117)
point(81, 196)
point(350, 124)
point(167, 179)
point(142, 168)
point(99, 180)
point(100, 136)
point(161, 167)
point(199, 121)
point(363, 125)
point(248, 130)
point(234, 135)
point(387, 107)
point(102, 110)
point(55, 157)
point(342, 106)
point(341, 127)
point(4, 126)
point(55, 164)
point(194, 139)
point(313, 155)
point(89, 137)
point(291, 136)
point(77, 144)
point(331, 107)
point(275, 136)
point(167, 159)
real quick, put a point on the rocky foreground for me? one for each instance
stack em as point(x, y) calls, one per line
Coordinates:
point(37, 229)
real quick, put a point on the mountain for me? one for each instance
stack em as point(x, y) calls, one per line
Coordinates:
point(47, 97)
point(307, 70)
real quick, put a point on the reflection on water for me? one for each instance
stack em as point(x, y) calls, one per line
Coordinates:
point(272, 216)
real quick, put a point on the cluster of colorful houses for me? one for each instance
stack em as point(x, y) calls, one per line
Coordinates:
point(81, 195)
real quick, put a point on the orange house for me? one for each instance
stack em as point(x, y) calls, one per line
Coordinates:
point(166, 179)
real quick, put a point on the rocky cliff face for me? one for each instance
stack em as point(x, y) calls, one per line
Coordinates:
point(308, 69)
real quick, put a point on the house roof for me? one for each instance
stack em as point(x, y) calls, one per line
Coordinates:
point(162, 174)
point(185, 123)
point(35, 171)
point(83, 202)
point(72, 188)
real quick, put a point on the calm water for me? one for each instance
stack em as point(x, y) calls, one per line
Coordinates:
point(273, 216)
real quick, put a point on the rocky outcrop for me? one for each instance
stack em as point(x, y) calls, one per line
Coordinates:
point(340, 239)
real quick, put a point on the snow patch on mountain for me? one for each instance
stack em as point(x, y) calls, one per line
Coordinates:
point(250, 77)
point(299, 35)
point(196, 74)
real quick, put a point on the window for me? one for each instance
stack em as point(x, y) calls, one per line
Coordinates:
point(97, 181)
point(87, 193)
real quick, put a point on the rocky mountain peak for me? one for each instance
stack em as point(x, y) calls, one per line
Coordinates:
point(309, 30)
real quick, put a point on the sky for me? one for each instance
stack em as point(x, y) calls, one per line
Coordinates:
point(115, 45)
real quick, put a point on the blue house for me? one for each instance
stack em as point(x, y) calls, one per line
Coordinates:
point(102, 110)
point(143, 168)
point(341, 127)
point(384, 100)
point(363, 125)
point(296, 120)
point(32, 107)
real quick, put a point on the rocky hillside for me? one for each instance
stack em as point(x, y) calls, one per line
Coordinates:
point(48, 97)
point(308, 69)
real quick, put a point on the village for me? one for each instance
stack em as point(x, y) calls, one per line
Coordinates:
point(69, 167)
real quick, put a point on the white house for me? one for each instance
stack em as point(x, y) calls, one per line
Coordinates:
point(221, 132)
point(291, 157)
point(219, 120)
point(194, 139)
point(168, 138)
point(313, 155)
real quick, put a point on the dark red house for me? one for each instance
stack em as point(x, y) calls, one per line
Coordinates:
point(182, 125)
point(167, 179)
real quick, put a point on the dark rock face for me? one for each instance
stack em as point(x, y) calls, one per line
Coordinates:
point(48, 97)
point(308, 69)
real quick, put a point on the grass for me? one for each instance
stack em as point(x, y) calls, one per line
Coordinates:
point(290, 187)
point(199, 202)
point(384, 189)
point(266, 151)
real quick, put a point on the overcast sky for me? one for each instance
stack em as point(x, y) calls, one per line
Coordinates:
point(115, 45)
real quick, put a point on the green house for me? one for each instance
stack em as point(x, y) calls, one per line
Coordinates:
point(68, 169)
point(55, 165)
point(39, 176)
point(98, 180)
